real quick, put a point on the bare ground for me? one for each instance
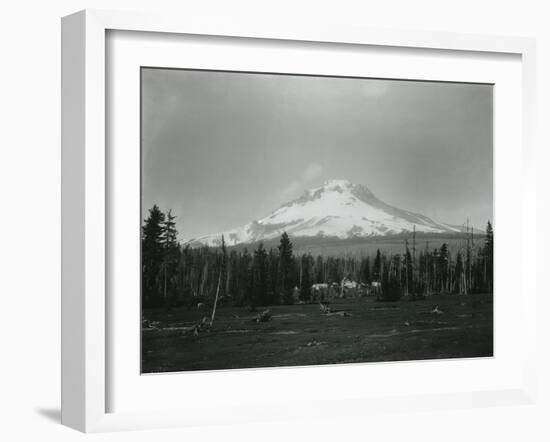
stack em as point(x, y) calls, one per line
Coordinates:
point(461, 326)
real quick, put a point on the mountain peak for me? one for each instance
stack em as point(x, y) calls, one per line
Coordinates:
point(359, 191)
point(337, 183)
point(339, 209)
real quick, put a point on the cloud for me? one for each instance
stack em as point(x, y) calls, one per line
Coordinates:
point(294, 188)
point(313, 171)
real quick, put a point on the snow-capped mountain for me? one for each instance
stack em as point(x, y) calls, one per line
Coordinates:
point(337, 209)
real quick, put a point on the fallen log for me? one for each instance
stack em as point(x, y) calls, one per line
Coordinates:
point(198, 327)
point(327, 311)
point(265, 316)
point(245, 318)
point(341, 313)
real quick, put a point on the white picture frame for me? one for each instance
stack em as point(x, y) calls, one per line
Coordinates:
point(86, 353)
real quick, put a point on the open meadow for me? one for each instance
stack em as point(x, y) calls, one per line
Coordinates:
point(440, 326)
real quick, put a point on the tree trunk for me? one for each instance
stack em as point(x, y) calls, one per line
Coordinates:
point(216, 299)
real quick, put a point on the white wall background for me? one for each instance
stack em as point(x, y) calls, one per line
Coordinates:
point(30, 219)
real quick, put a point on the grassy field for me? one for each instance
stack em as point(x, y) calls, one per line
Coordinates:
point(462, 326)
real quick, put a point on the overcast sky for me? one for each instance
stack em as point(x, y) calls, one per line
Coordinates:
point(222, 149)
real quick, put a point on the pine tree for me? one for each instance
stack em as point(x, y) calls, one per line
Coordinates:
point(320, 270)
point(171, 257)
point(460, 286)
point(272, 281)
point(169, 232)
point(365, 273)
point(286, 261)
point(377, 267)
point(185, 276)
point(245, 286)
point(152, 254)
point(233, 275)
point(260, 280)
point(409, 285)
point(442, 266)
point(223, 269)
point(391, 284)
point(305, 286)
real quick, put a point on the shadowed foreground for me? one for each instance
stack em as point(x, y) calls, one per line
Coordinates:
point(460, 326)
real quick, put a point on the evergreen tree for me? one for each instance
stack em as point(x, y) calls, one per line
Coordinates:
point(365, 271)
point(185, 276)
point(480, 284)
point(391, 290)
point(459, 273)
point(377, 266)
point(305, 287)
point(442, 267)
point(233, 271)
point(245, 279)
point(319, 270)
point(169, 232)
point(407, 258)
point(171, 257)
point(260, 280)
point(223, 269)
point(333, 271)
point(286, 261)
point(152, 255)
point(272, 280)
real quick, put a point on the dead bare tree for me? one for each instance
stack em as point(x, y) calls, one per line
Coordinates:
point(414, 259)
point(223, 264)
point(216, 299)
point(406, 267)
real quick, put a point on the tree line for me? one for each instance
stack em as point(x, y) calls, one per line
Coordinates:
point(173, 274)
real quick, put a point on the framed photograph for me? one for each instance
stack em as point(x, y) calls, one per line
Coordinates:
point(266, 222)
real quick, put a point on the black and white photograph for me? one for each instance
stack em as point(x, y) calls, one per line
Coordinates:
point(266, 221)
point(302, 220)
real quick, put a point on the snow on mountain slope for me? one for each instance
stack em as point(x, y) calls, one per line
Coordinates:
point(336, 209)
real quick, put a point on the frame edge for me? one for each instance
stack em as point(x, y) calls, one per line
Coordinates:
point(83, 373)
point(83, 205)
point(73, 81)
